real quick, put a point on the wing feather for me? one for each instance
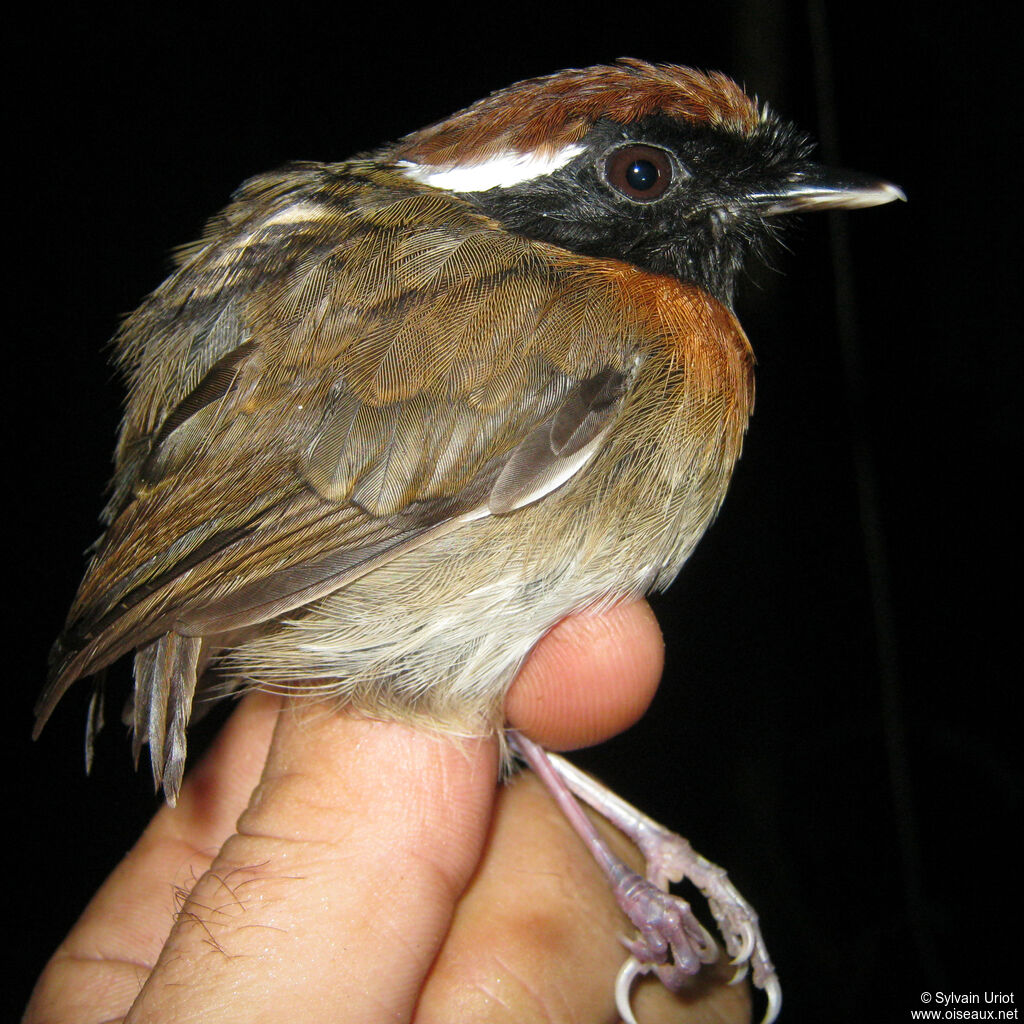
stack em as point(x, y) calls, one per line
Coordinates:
point(348, 363)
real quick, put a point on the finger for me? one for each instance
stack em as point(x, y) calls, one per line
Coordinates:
point(535, 937)
point(98, 970)
point(591, 677)
point(333, 897)
point(100, 967)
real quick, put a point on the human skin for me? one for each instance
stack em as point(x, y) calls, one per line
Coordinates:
point(321, 867)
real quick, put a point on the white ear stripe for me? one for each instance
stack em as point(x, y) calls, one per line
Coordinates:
point(501, 171)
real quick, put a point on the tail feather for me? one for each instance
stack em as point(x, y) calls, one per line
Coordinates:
point(165, 682)
point(183, 688)
point(94, 719)
point(146, 671)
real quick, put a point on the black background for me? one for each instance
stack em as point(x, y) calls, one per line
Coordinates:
point(843, 747)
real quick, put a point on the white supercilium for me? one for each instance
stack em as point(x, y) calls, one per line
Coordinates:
point(499, 171)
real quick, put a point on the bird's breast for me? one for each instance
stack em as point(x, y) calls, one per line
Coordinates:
point(658, 480)
point(438, 633)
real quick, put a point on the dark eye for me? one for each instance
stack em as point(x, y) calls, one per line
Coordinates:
point(640, 172)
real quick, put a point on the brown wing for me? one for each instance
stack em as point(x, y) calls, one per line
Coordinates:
point(347, 365)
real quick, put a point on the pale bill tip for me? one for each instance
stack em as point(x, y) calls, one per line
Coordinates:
point(883, 192)
point(838, 194)
point(893, 192)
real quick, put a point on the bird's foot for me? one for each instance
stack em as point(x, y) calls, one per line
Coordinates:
point(670, 858)
point(672, 943)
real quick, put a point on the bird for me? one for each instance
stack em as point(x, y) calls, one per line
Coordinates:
point(391, 419)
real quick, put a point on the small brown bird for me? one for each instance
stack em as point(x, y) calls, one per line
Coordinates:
point(391, 419)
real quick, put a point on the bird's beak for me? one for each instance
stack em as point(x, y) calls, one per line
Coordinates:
point(827, 188)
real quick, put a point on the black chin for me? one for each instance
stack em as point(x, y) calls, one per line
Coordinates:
point(703, 250)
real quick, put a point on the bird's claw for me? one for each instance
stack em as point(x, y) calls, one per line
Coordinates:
point(672, 942)
point(628, 973)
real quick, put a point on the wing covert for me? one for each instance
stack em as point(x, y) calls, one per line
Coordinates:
point(408, 363)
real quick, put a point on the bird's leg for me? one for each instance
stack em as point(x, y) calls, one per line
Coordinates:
point(672, 942)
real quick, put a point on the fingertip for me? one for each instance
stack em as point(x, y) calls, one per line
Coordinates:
point(388, 778)
point(591, 677)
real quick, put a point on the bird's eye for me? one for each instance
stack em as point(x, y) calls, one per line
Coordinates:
point(642, 173)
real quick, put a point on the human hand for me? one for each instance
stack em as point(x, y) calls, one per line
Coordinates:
point(320, 867)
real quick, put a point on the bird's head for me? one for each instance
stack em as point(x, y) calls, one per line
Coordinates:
point(670, 169)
